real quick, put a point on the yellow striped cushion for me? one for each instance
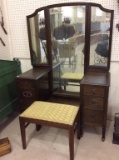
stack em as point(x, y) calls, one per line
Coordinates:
point(73, 76)
point(53, 112)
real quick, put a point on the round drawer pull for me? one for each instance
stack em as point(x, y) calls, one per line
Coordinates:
point(93, 102)
point(27, 94)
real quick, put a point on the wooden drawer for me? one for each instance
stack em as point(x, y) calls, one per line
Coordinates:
point(28, 93)
point(93, 116)
point(93, 102)
point(25, 83)
point(94, 90)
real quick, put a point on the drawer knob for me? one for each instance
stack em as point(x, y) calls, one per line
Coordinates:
point(27, 94)
point(93, 102)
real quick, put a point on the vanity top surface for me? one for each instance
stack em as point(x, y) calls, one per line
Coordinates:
point(34, 73)
point(96, 79)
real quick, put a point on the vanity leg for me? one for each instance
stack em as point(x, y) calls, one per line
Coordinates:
point(79, 127)
point(81, 130)
point(103, 134)
point(81, 124)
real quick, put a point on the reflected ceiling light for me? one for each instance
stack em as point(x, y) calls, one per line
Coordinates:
point(41, 14)
point(79, 14)
point(67, 11)
point(55, 9)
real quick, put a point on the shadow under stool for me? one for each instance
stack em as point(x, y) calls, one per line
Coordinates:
point(52, 114)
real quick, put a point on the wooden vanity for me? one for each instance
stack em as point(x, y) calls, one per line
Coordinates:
point(69, 45)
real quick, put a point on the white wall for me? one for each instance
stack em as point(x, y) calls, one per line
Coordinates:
point(4, 50)
point(113, 101)
point(15, 12)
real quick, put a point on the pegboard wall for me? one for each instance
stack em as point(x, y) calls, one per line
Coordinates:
point(4, 38)
point(17, 10)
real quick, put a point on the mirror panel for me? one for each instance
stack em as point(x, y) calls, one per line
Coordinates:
point(37, 33)
point(67, 38)
point(99, 37)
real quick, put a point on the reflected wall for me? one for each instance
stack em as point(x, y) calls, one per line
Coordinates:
point(99, 37)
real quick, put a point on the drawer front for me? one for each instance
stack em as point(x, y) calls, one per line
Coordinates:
point(25, 83)
point(93, 102)
point(93, 116)
point(28, 93)
point(94, 90)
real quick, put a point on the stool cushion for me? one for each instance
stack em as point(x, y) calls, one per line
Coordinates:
point(72, 76)
point(52, 112)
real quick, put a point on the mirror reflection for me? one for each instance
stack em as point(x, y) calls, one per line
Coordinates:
point(38, 38)
point(99, 44)
point(68, 32)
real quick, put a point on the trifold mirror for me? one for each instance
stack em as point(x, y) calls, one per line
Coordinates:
point(71, 24)
point(76, 35)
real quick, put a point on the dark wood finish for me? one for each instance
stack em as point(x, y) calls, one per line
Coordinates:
point(94, 99)
point(33, 85)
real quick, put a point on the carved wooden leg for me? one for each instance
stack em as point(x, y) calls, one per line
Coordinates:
point(23, 134)
point(71, 142)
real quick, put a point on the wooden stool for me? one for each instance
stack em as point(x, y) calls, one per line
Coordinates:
point(51, 114)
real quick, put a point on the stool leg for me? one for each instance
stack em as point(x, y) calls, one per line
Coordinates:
point(38, 127)
point(23, 134)
point(71, 142)
point(78, 131)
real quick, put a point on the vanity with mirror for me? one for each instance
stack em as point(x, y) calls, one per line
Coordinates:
point(70, 49)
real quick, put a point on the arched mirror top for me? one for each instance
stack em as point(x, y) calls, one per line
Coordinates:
point(68, 4)
point(92, 27)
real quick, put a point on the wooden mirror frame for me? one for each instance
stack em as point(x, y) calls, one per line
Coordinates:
point(87, 43)
point(88, 6)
